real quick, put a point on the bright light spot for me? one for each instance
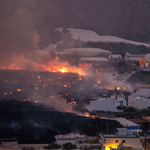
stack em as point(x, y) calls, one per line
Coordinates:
point(118, 88)
point(98, 81)
point(19, 90)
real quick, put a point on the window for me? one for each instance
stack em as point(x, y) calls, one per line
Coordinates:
point(116, 141)
point(123, 141)
point(80, 142)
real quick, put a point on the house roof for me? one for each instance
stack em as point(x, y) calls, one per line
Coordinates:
point(125, 122)
point(140, 120)
point(76, 138)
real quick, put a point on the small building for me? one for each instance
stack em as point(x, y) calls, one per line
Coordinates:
point(134, 127)
point(143, 92)
point(107, 104)
point(92, 62)
point(133, 57)
point(139, 102)
point(71, 137)
point(115, 58)
point(123, 136)
point(143, 123)
point(9, 144)
point(140, 99)
point(51, 47)
point(147, 58)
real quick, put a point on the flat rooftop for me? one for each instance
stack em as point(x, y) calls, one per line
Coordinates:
point(120, 136)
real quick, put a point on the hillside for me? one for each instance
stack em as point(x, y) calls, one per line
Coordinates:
point(142, 77)
point(122, 18)
point(87, 35)
point(112, 17)
point(33, 123)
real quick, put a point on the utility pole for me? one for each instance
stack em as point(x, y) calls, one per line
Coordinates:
point(107, 127)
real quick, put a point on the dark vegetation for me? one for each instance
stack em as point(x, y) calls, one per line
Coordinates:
point(31, 123)
point(120, 48)
point(142, 77)
point(53, 146)
point(69, 146)
point(131, 112)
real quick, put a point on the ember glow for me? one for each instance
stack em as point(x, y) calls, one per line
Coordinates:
point(88, 115)
point(22, 63)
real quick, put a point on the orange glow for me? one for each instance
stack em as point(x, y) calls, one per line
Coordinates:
point(20, 62)
point(88, 115)
point(118, 88)
point(112, 145)
point(19, 90)
point(85, 65)
point(72, 102)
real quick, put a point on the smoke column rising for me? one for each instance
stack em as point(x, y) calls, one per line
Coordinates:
point(19, 39)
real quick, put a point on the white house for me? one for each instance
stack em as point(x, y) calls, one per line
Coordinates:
point(124, 137)
point(107, 104)
point(147, 58)
point(9, 143)
point(133, 57)
point(140, 99)
point(71, 137)
point(114, 58)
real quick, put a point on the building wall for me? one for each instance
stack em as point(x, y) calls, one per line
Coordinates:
point(132, 57)
point(114, 142)
point(65, 141)
point(138, 104)
point(103, 106)
point(143, 92)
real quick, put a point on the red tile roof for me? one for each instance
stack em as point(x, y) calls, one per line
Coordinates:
point(140, 120)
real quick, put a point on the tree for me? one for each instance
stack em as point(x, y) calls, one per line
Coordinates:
point(53, 146)
point(119, 107)
point(69, 146)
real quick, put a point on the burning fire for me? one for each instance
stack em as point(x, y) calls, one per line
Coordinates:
point(88, 115)
point(118, 88)
point(22, 63)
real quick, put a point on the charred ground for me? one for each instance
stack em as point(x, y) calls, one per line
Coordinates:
point(33, 123)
